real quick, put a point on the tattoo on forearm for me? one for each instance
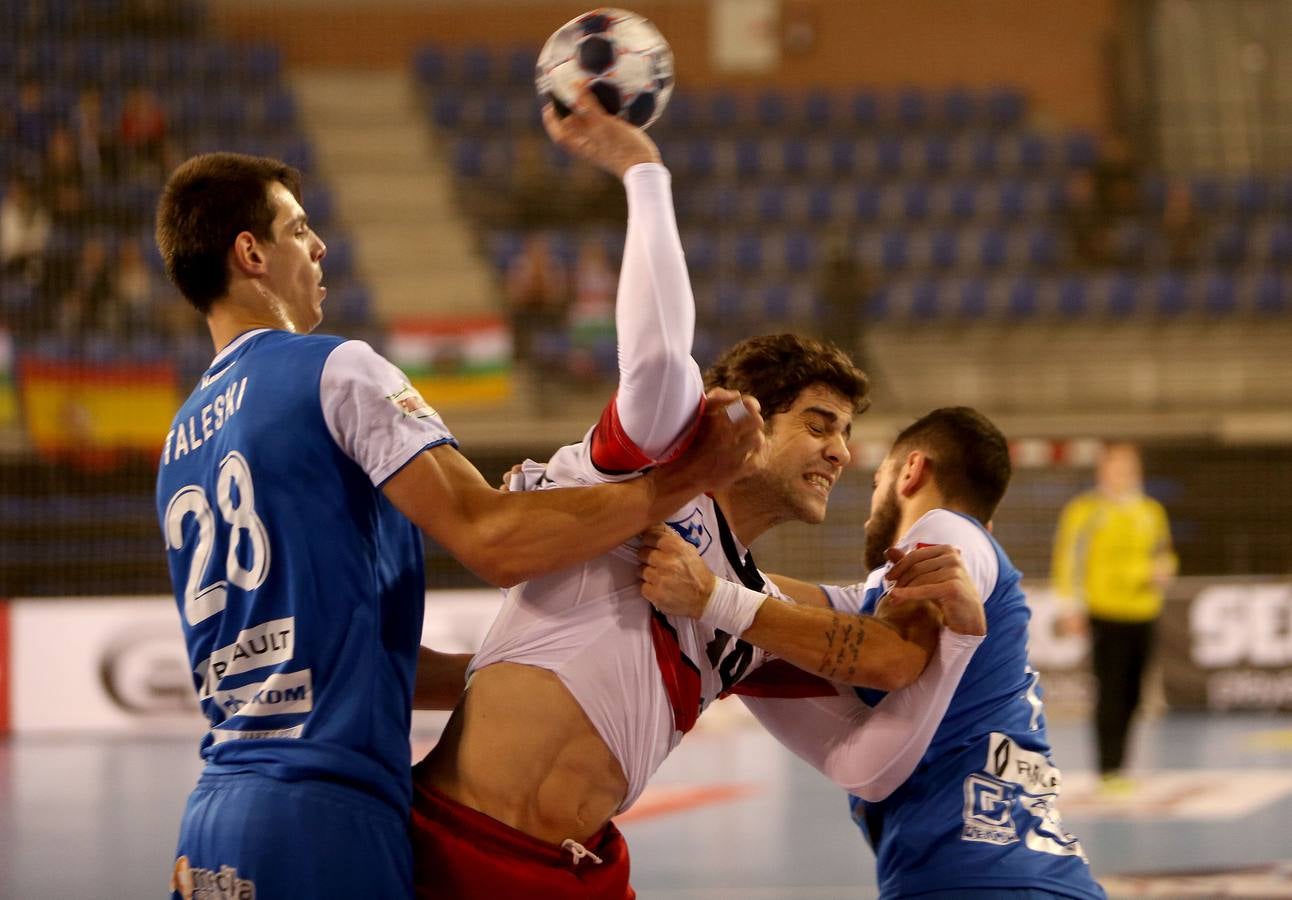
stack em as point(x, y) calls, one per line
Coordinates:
point(843, 640)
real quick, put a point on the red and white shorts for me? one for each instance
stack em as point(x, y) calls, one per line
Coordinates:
point(460, 852)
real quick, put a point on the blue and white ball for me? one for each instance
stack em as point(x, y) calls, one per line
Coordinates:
point(620, 55)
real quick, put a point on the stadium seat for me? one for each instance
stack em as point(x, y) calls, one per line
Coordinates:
point(818, 110)
point(1271, 294)
point(1073, 298)
point(1122, 296)
point(865, 110)
point(1220, 297)
point(944, 250)
point(1005, 108)
point(1170, 294)
point(973, 299)
point(958, 108)
point(926, 301)
point(911, 108)
point(771, 110)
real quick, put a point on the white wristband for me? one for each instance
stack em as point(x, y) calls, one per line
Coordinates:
point(731, 607)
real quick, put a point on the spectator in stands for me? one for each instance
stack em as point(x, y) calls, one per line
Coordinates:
point(64, 180)
point(134, 293)
point(85, 310)
point(592, 315)
point(93, 140)
point(28, 124)
point(1181, 229)
point(1113, 556)
point(1085, 220)
point(142, 132)
point(538, 292)
point(1117, 174)
point(24, 233)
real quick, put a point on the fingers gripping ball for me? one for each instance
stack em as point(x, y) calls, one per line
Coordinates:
point(620, 55)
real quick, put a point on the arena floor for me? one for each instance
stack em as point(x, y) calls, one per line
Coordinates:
point(729, 816)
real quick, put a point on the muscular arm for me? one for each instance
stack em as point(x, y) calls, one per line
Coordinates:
point(800, 591)
point(441, 678)
point(508, 537)
point(870, 752)
point(850, 649)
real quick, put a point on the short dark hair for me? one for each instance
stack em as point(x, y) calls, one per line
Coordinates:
point(968, 454)
point(207, 202)
point(776, 368)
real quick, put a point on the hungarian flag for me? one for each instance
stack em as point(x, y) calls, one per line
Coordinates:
point(454, 361)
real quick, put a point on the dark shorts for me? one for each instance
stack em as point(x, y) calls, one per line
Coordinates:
point(250, 835)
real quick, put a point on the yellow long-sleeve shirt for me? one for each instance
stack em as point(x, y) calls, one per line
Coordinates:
point(1106, 555)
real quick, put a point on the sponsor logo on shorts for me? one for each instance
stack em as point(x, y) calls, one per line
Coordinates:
point(195, 883)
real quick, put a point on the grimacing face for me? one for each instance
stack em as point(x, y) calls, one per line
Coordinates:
point(885, 514)
point(807, 449)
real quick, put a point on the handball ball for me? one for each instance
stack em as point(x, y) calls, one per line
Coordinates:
point(620, 55)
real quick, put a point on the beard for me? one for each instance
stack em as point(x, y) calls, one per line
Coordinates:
point(881, 533)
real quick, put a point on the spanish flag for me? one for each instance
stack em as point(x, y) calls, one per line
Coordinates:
point(73, 406)
point(454, 361)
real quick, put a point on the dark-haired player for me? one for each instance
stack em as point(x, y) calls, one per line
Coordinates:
point(978, 815)
point(291, 490)
point(581, 690)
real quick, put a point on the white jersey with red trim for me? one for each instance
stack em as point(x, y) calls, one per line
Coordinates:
point(642, 677)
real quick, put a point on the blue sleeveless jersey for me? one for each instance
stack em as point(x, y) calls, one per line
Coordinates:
point(300, 587)
point(980, 809)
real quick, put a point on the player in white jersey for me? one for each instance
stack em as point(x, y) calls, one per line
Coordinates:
point(580, 690)
point(975, 813)
point(290, 491)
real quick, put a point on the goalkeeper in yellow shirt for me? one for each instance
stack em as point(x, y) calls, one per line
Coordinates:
point(1113, 556)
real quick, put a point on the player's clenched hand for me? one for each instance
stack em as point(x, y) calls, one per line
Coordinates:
point(592, 134)
point(511, 474)
point(728, 445)
point(674, 578)
point(937, 574)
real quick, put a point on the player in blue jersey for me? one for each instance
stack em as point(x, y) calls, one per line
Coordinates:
point(977, 814)
point(291, 490)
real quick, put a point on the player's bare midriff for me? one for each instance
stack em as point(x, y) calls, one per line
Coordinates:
point(519, 748)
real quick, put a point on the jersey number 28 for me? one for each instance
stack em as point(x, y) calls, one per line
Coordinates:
point(201, 601)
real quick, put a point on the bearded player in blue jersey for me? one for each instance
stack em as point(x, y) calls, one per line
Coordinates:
point(291, 490)
point(978, 815)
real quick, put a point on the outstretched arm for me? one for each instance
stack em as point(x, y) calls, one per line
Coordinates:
point(508, 537)
point(853, 649)
point(657, 402)
point(870, 752)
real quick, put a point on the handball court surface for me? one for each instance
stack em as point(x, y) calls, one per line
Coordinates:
point(730, 815)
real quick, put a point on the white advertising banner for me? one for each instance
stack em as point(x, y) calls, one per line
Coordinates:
point(106, 664)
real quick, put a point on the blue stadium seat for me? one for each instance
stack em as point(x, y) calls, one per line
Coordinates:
point(879, 305)
point(1279, 247)
point(866, 202)
point(973, 299)
point(1122, 297)
point(925, 300)
point(1074, 297)
point(776, 302)
point(799, 252)
point(1043, 247)
point(937, 154)
point(771, 110)
point(912, 108)
point(699, 158)
point(1207, 195)
point(262, 63)
point(729, 302)
point(1005, 108)
point(1024, 299)
point(1226, 245)
point(1220, 297)
point(339, 262)
point(915, 200)
point(894, 251)
point(843, 156)
point(820, 204)
point(747, 253)
point(1271, 294)
point(889, 150)
point(1170, 294)
point(958, 108)
point(701, 253)
point(865, 110)
point(468, 158)
point(430, 65)
point(520, 65)
point(1011, 200)
point(964, 197)
point(794, 157)
point(447, 110)
point(818, 109)
point(475, 67)
point(983, 154)
point(1250, 196)
point(723, 110)
point(944, 249)
point(771, 204)
point(992, 249)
